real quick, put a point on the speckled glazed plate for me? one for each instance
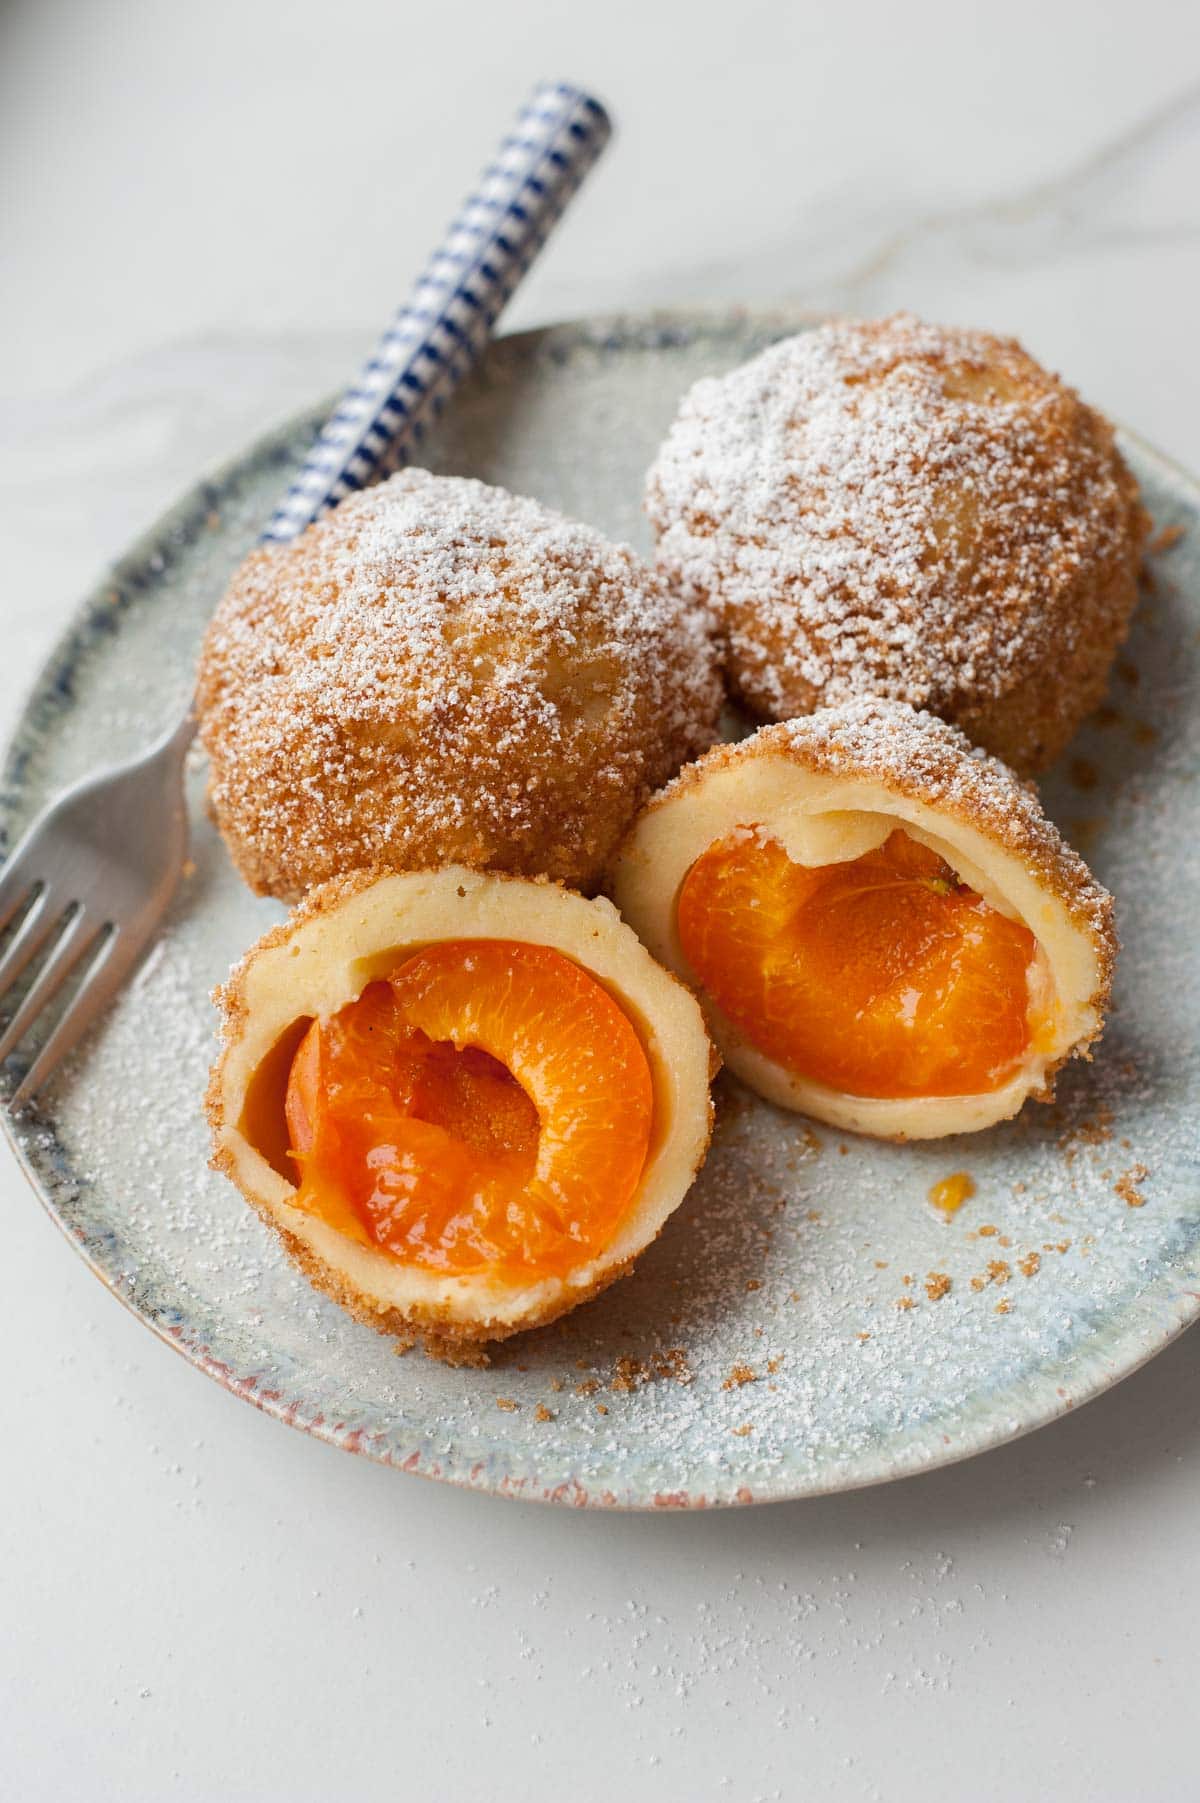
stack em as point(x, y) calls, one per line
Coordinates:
point(780, 1339)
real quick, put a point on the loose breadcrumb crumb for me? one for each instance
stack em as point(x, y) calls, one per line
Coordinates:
point(1127, 1188)
point(631, 1373)
point(1095, 1131)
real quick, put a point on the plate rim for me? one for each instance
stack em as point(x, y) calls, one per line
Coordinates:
point(1114, 1358)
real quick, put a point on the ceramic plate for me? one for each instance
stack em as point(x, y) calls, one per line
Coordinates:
point(784, 1337)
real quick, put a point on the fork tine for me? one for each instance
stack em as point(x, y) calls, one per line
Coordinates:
point(28, 940)
point(16, 888)
point(100, 984)
point(74, 939)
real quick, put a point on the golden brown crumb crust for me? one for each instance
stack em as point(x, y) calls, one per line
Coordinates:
point(441, 672)
point(907, 510)
point(451, 1342)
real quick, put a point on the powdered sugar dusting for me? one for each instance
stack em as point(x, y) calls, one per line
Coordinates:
point(893, 508)
point(438, 671)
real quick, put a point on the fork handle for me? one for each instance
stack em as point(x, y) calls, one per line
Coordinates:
point(438, 334)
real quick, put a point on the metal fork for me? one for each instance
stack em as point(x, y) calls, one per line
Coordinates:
point(90, 881)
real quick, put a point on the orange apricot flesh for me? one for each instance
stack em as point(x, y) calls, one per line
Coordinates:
point(883, 976)
point(486, 1108)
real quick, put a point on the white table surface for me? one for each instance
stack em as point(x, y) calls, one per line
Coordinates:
point(204, 213)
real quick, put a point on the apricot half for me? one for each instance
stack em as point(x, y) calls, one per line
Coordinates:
point(881, 976)
point(487, 1108)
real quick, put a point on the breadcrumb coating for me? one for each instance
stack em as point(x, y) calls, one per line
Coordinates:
point(906, 510)
point(440, 671)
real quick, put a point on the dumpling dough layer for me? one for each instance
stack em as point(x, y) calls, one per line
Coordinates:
point(833, 786)
point(358, 929)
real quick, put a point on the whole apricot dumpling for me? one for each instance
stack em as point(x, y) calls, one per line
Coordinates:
point(439, 671)
point(907, 510)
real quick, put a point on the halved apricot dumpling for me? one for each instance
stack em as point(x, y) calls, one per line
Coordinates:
point(466, 1101)
point(885, 930)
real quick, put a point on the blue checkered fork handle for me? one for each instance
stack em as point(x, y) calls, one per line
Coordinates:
point(436, 337)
